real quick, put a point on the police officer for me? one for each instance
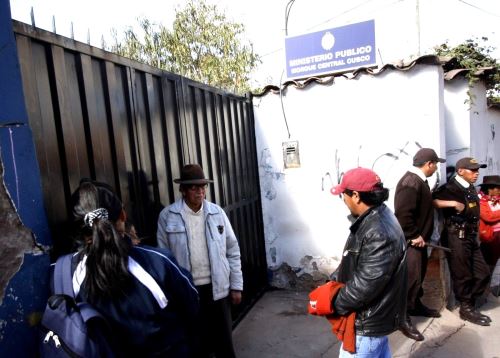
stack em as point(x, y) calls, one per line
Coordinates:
point(459, 202)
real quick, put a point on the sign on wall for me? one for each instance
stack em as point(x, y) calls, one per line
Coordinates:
point(328, 51)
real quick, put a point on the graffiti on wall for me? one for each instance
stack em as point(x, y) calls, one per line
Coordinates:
point(408, 149)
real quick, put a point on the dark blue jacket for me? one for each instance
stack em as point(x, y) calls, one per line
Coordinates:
point(139, 325)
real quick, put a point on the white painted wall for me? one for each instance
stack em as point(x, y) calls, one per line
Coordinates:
point(490, 141)
point(356, 122)
point(457, 120)
point(338, 127)
point(472, 129)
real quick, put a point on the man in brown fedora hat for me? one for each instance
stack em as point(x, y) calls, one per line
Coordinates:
point(489, 224)
point(202, 240)
point(469, 272)
point(415, 212)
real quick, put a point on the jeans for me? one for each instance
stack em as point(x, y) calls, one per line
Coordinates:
point(369, 347)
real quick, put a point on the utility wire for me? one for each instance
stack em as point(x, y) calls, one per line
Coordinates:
point(287, 14)
point(478, 8)
point(329, 20)
point(343, 13)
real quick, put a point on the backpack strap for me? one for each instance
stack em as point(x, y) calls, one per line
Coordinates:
point(63, 284)
point(88, 312)
point(135, 270)
point(62, 276)
point(63, 279)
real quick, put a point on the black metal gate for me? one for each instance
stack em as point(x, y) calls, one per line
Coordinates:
point(95, 114)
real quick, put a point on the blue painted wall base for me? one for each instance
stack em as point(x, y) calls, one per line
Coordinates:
point(25, 232)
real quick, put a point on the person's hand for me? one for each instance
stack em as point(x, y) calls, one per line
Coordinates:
point(418, 242)
point(459, 207)
point(235, 297)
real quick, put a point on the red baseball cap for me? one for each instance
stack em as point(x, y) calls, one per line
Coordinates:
point(358, 179)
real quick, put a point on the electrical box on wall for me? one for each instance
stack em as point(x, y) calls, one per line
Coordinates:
point(291, 156)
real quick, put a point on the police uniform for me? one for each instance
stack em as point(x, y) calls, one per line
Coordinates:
point(469, 271)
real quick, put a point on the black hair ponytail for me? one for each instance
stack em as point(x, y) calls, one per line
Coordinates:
point(107, 252)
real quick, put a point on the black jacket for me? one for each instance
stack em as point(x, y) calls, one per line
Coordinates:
point(374, 272)
point(413, 207)
point(453, 190)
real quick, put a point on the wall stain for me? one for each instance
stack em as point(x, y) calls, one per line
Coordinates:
point(269, 176)
point(313, 271)
point(457, 150)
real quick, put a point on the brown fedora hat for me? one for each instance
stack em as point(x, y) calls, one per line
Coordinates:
point(492, 180)
point(192, 174)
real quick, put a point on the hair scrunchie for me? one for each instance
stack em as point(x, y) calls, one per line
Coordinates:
point(100, 213)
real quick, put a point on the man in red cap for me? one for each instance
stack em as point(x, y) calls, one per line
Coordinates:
point(414, 210)
point(469, 272)
point(202, 240)
point(373, 267)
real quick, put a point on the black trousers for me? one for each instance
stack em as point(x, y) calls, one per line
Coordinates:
point(214, 327)
point(469, 272)
point(416, 259)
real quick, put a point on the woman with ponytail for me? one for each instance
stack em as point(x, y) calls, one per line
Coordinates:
point(147, 298)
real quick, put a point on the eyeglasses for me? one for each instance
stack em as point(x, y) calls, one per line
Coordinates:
point(347, 192)
point(196, 187)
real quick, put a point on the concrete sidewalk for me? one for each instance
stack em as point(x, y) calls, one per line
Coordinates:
point(279, 326)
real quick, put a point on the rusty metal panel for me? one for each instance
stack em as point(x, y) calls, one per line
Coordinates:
point(95, 114)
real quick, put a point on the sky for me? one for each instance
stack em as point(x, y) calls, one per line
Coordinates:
point(404, 29)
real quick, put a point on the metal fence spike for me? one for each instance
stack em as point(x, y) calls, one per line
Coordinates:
point(72, 31)
point(54, 24)
point(33, 17)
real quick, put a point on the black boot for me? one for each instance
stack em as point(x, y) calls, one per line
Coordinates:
point(468, 313)
point(485, 317)
point(476, 308)
point(409, 330)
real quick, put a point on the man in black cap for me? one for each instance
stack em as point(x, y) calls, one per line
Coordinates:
point(202, 240)
point(459, 202)
point(415, 212)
